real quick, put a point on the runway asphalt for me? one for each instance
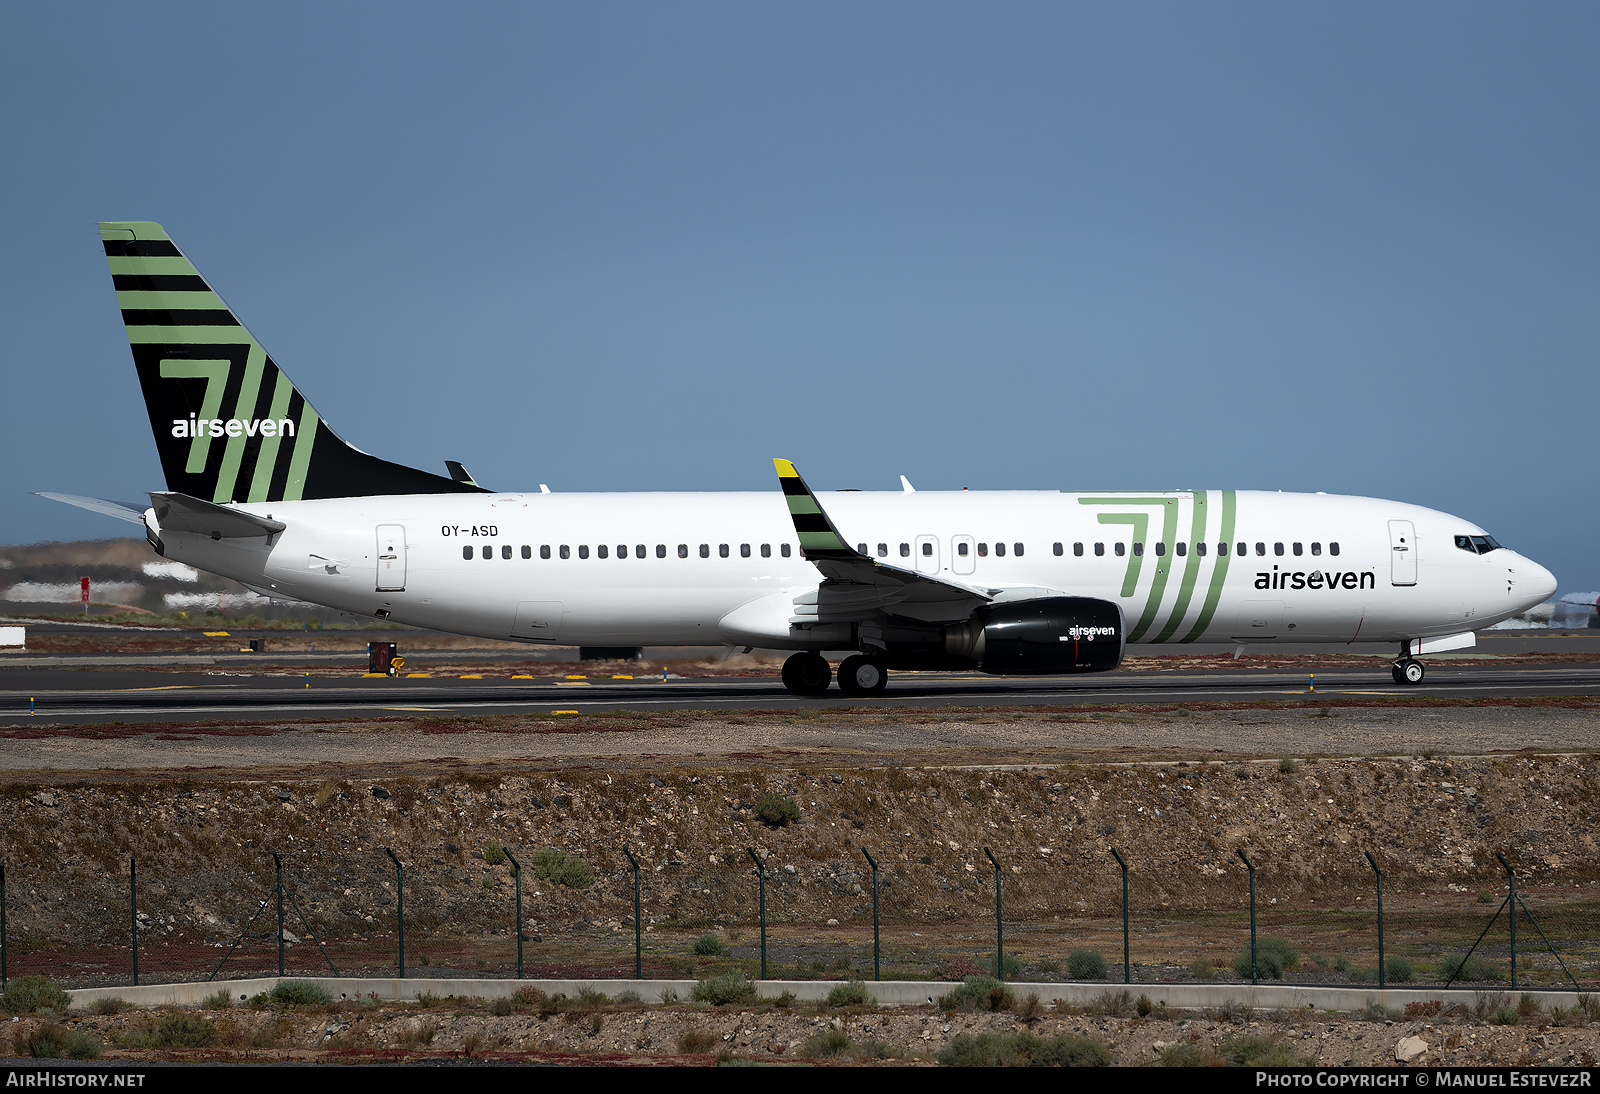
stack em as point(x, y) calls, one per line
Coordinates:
point(89, 695)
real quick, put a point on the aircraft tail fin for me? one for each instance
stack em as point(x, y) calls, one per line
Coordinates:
point(229, 424)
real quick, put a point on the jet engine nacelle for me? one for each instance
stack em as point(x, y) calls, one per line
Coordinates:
point(1056, 634)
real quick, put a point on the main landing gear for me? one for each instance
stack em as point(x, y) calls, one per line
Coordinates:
point(809, 674)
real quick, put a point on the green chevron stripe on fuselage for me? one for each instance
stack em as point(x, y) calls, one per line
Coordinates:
point(1158, 584)
point(1191, 568)
point(1219, 570)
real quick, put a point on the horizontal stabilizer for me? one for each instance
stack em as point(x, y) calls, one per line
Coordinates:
point(122, 510)
point(181, 513)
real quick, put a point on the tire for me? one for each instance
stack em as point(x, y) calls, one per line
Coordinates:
point(861, 675)
point(1410, 671)
point(1394, 671)
point(807, 674)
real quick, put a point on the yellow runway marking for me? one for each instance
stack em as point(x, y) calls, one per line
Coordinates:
point(563, 712)
point(573, 684)
point(216, 634)
point(181, 687)
point(622, 678)
point(414, 675)
point(522, 676)
point(473, 676)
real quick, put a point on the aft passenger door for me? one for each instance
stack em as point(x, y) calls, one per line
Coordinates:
point(1402, 553)
point(391, 558)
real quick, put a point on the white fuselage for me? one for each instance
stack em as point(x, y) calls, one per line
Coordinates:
point(575, 573)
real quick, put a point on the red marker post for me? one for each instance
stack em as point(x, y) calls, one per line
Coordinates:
point(83, 587)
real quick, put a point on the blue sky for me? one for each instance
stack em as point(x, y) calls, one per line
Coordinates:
point(1342, 247)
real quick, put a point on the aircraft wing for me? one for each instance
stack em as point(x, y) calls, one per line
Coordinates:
point(858, 586)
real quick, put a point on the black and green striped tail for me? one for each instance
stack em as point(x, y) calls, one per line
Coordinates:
point(229, 425)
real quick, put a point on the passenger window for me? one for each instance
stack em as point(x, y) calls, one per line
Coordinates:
point(705, 550)
point(1240, 549)
point(466, 552)
point(1016, 549)
point(1077, 550)
point(1161, 549)
point(1000, 550)
point(861, 548)
point(1261, 549)
point(1182, 548)
point(488, 551)
point(1100, 549)
point(583, 550)
point(661, 550)
point(1118, 548)
point(683, 550)
point(1138, 550)
point(1222, 549)
point(1200, 549)
point(622, 550)
point(544, 550)
point(983, 550)
point(766, 550)
point(927, 550)
point(961, 549)
point(905, 550)
point(505, 550)
point(1333, 548)
point(527, 552)
point(783, 549)
point(1316, 548)
point(722, 550)
point(744, 550)
point(1297, 549)
point(1277, 548)
point(883, 550)
point(602, 551)
point(566, 552)
point(639, 551)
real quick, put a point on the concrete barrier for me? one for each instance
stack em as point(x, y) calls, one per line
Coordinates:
point(890, 993)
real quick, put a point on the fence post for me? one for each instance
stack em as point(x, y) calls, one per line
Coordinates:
point(278, 889)
point(1127, 966)
point(1381, 968)
point(517, 868)
point(400, 907)
point(761, 873)
point(877, 968)
point(999, 930)
point(1254, 978)
point(1511, 877)
point(638, 948)
point(133, 907)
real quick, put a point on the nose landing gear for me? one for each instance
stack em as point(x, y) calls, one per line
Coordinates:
point(1408, 670)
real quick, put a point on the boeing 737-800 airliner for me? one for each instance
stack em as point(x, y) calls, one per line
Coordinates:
point(261, 490)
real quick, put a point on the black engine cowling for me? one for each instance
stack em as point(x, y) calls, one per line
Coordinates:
point(1053, 635)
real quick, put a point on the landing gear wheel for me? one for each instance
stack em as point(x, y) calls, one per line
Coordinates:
point(807, 674)
point(1408, 671)
point(860, 675)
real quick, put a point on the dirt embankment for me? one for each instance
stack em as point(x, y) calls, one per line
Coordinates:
point(202, 845)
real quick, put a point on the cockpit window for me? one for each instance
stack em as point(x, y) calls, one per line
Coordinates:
point(1478, 545)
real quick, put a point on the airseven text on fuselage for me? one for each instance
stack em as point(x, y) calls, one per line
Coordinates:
point(1316, 579)
point(232, 427)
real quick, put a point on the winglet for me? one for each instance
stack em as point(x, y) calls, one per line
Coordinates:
point(818, 537)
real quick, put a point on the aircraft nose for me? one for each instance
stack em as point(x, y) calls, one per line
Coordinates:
point(1535, 583)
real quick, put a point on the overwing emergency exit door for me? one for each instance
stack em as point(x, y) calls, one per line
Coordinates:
point(1402, 553)
point(391, 558)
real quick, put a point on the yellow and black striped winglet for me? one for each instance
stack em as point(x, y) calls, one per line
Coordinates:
point(818, 537)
